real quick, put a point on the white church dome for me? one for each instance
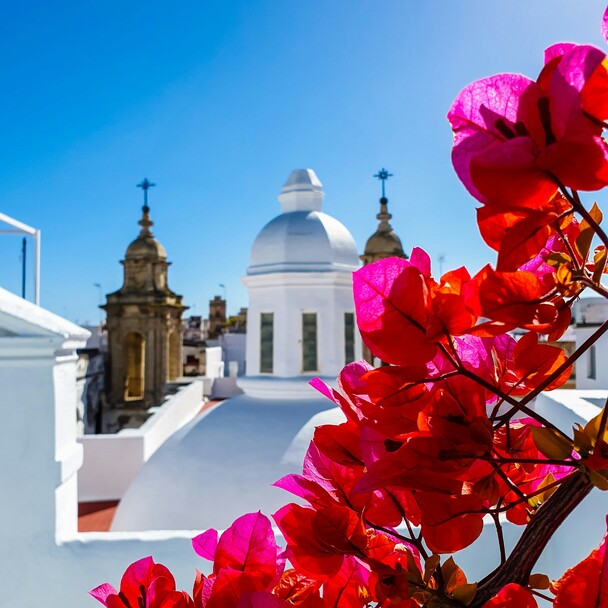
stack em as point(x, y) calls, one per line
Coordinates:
point(303, 238)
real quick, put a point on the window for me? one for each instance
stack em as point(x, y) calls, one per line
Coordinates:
point(591, 371)
point(349, 337)
point(266, 342)
point(309, 342)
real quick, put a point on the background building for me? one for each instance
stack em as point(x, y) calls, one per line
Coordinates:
point(300, 324)
point(144, 321)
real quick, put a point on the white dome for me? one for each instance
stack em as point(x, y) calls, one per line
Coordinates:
point(303, 238)
point(223, 464)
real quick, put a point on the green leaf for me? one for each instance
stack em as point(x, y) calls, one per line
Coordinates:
point(429, 566)
point(465, 593)
point(598, 480)
point(553, 445)
point(582, 441)
point(557, 259)
point(585, 238)
point(599, 261)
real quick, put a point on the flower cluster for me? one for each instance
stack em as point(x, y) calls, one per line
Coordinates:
point(444, 433)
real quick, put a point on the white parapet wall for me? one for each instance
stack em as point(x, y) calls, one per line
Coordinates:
point(112, 461)
point(44, 561)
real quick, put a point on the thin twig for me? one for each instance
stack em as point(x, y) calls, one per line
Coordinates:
point(577, 205)
point(564, 366)
point(500, 537)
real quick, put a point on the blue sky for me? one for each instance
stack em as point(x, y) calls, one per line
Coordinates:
point(217, 101)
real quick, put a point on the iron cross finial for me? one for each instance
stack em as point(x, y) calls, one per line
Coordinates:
point(383, 175)
point(145, 185)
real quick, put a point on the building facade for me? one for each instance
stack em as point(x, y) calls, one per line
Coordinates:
point(144, 322)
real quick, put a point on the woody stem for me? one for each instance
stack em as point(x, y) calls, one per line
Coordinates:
point(534, 539)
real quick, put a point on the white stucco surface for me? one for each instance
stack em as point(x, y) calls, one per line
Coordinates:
point(45, 562)
point(303, 240)
point(301, 262)
point(111, 461)
point(592, 367)
point(221, 465)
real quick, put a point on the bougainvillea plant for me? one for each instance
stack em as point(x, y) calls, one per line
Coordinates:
point(444, 435)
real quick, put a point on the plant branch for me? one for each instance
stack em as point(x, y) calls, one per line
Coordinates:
point(566, 364)
point(534, 539)
point(575, 201)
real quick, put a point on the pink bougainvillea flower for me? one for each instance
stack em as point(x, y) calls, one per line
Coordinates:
point(349, 587)
point(144, 583)
point(513, 596)
point(391, 298)
point(318, 540)
point(586, 584)
point(403, 314)
point(516, 140)
point(245, 559)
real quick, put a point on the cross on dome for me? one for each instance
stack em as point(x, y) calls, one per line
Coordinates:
point(145, 221)
point(145, 185)
point(383, 175)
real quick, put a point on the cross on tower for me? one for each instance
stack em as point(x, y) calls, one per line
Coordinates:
point(383, 175)
point(145, 185)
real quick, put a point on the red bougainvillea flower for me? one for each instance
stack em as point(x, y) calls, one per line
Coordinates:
point(144, 583)
point(515, 139)
point(245, 559)
point(586, 584)
point(349, 587)
point(518, 234)
point(403, 313)
point(392, 299)
point(517, 299)
point(515, 367)
point(298, 590)
point(513, 596)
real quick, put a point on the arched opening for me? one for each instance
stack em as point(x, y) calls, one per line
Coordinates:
point(173, 354)
point(134, 357)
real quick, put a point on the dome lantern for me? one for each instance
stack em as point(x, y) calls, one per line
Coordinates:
point(300, 321)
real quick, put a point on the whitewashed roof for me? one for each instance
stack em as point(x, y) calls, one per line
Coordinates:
point(303, 238)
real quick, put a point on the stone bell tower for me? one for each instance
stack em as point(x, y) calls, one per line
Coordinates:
point(144, 320)
point(384, 243)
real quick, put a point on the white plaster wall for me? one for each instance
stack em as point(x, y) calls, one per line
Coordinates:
point(234, 349)
point(287, 296)
point(44, 562)
point(214, 365)
point(601, 360)
point(112, 461)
